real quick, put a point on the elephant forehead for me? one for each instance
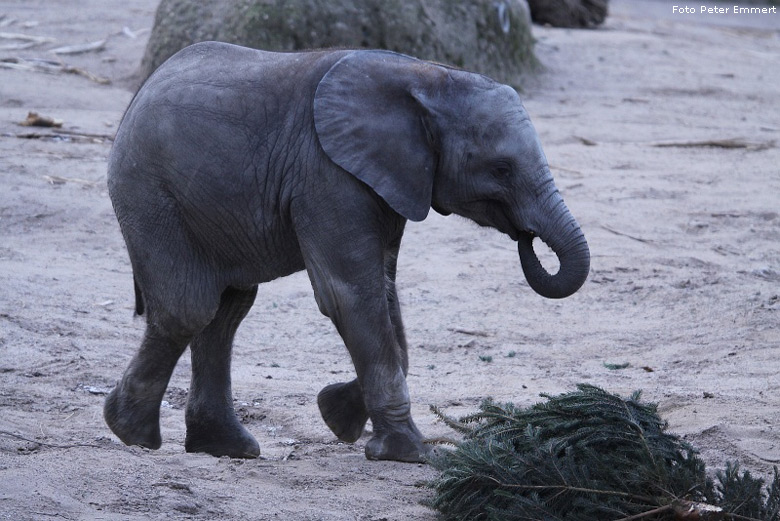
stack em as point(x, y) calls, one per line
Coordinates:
point(492, 112)
point(504, 106)
point(497, 131)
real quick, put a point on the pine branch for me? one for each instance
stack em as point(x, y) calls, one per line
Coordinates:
point(587, 456)
point(649, 513)
point(450, 422)
point(568, 488)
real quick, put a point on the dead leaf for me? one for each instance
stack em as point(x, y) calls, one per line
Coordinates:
point(585, 141)
point(36, 120)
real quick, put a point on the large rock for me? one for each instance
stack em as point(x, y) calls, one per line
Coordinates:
point(569, 13)
point(488, 36)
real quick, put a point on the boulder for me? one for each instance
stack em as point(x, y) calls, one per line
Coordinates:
point(568, 13)
point(492, 37)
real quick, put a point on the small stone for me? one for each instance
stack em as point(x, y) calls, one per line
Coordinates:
point(187, 507)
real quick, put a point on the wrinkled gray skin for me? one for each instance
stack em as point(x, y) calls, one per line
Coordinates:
point(234, 167)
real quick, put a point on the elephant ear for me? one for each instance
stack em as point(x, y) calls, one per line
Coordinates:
point(370, 123)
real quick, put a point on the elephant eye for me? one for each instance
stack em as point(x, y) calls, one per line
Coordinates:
point(502, 168)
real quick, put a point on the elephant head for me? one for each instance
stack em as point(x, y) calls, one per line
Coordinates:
point(424, 135)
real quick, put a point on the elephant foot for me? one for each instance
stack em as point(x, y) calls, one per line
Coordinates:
point(220, 437)
point(343, 410)
point(135, 422)
point(402, 444)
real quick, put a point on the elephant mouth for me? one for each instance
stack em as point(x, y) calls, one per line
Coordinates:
point(441, 211)
point(501, 220)
point(488, 213)
point(525, 233)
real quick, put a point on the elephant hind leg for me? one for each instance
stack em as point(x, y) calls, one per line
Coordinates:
point(212, 425)
point(175, 311)
point(343, 409)
point(132, 409)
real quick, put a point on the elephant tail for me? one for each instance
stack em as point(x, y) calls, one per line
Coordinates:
point(139, 299)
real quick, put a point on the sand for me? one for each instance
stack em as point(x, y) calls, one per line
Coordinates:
point(663, 132)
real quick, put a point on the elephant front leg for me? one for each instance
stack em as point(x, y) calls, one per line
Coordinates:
point(343, 410)
point(359, 309)
point(396, 437)
point(341, 404)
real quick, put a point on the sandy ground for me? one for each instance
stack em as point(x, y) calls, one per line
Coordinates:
point(684, 287)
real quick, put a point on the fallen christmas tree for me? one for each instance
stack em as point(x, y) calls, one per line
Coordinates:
point(587, 455)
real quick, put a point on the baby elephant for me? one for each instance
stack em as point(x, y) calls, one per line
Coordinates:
point(234, 166)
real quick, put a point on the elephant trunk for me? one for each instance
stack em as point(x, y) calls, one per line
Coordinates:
point(564, 236)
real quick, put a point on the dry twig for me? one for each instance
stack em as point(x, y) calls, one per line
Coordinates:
point(469, 332)
point(57, 180)
point(62, 133)
point(734, 143)
point(52, 445)
point(81, 48)
point(50, 67)
point(29, 41)
point(640, 239)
